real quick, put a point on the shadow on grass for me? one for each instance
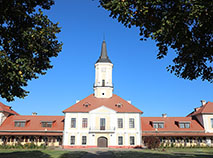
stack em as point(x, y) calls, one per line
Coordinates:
point(141, 154)
point(25, 154)
point(73, 154)
point(82, 154)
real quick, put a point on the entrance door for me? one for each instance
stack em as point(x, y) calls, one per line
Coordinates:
point(102, 124)
point(102, 142)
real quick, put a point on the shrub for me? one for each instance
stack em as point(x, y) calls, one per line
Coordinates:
point(152, 142)
point(18, 146)
point(138, 147)
point(25, 146)
point(43, 146)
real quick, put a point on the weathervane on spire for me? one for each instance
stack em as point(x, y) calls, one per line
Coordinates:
point(104, 36)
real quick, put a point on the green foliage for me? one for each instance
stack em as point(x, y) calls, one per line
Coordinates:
point(185, 26)
point(25, 146)
point(161, 145)
point(43, 146)
point(30, 146)
point(181, 145)
point(152, 142)
point(27, 42)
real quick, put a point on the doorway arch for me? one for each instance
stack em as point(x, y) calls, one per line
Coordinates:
point(102, 142)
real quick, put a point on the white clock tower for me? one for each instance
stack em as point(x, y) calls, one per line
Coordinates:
point(103, 86)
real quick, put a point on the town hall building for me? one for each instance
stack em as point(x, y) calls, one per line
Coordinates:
point(104, 119)
point(91, 121)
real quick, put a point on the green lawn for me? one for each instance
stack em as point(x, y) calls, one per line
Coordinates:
point(167, 153)
point(15, 153)
point(128, 153)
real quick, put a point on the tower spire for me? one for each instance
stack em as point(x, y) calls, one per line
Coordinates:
point(103, 87)
point(104, 57)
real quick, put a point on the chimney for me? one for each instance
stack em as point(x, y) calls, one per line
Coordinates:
point(203, 102)
point(164, 115)
point(129, 101)
point(34, 113)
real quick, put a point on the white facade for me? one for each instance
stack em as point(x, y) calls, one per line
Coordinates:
point(3, 116)
point(103, 87)
point(111, 131)
point(207, 122)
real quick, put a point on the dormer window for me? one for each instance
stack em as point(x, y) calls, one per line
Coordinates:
point(119, 105)
point(158, 124)
point(184, 124)
point(86, 104)
point(20, 123)
point(46, 124)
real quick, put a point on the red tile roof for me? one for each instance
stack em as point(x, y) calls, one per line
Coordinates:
point(207, 108)
point(171, 126)
point(93, 103)
point(174, 134)
point(8, 109)
point(14, 133)
point(33, 124)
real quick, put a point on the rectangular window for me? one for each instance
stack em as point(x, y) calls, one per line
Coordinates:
point(155, 125)
point(132, 140)
point(72, 141)
point(158, 125)
point(212, 122)
point(73, 122)
point(120, 123)
point(102, 124)
point(120, 140)
point(184, 125)
point(181, 125)
point(20, 124)
point(46, 124)
point(103, 83)
point(131, 123)
point(187, 125)
point(84, 123)
point(84, 140)
point(161, 125)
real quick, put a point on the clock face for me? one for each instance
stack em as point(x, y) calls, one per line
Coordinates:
point(103, 69)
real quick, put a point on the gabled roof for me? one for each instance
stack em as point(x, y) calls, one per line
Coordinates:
point(205, 109)
point(5, 108)
point(33, 123)
point(115, 102)
point(170, 126)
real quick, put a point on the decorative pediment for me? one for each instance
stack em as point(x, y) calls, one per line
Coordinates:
point(102, 109)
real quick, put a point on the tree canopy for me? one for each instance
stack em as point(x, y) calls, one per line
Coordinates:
point(183, 25)
point(27, 43)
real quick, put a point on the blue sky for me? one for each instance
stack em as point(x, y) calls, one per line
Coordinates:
point(137, 75)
